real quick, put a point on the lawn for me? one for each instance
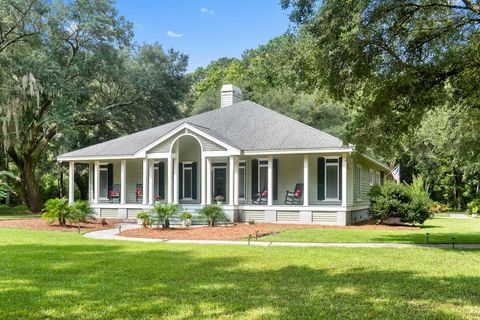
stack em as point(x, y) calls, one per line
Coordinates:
point(441, 230)
point(47, 274)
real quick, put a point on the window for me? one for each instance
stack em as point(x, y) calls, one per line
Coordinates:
point(371, 177)
point(358, 180)
point(103, 181)
point(187, 180)
point(155, 178)
point(242, 183)
point(331, 179)
point(378, 177)
point(262, 175)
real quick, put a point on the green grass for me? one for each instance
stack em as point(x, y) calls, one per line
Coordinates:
point(60, 275)
point(13, 210)
point(441, 231)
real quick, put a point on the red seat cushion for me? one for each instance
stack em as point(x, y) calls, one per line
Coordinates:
point(138, 192)
point(112, 193)
point(298, 193)
point(265, 194)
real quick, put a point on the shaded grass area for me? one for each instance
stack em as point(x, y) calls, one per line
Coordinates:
point(13, 210)
point(64, 276)
point(440, 230)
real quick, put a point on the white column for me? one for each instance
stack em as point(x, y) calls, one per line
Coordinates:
point(344, 179)
point(236, 176)
point(170, 179)
point(123, 181)
point(209, 181)
point(305, 180)
point(96, 182)
point(90, 182)
point(71, 182)
point(203, 182)
point(231, 188)
point(270, 181)
point(145, 181)
point(151, 177)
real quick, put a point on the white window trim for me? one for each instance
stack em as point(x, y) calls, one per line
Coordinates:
point(191, 179)
point(371, 177)
point(100, 170)
point(337, 164)
point(359, 181)
point(243, 165)
point(212, 172)
point(263, 165)
point(378, 177)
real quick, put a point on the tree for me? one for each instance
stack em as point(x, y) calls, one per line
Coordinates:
point(393, 61)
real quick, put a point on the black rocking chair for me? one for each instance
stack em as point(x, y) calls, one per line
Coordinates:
point(139, 193)
point(114, 193)
point(261, 197)
point(295, 197)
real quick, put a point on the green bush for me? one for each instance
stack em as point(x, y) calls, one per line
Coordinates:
point(164, 212)
point(474, 206)
point(409, 203)
point(57, 209)
point(213, 213)
point(145, 217)
point(438, 207)
point(186, 215)
point(81, 212)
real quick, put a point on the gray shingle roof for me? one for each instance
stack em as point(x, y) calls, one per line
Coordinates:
point(246, 126)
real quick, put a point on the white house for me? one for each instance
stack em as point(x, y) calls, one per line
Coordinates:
point(262, 165)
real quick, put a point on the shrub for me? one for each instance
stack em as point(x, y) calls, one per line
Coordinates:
point(213, 213)
point(145, 217)
point(186, 215)
point(57, 209)
point(164, 212)
point(81, 212)
point(409, 203)
point(474, 206)
point(438, 207)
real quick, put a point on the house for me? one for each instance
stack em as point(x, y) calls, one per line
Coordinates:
point(262, 166)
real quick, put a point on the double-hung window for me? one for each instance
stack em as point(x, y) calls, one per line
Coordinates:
point(242, 183)
point(263, 175)
point(187, 180)
point(378, 178)
point(358, 182)
point(371, 177)
point(332, 178)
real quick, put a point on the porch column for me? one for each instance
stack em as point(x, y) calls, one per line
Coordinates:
point(305, 180)
point(270, 181)
point(344, 180)
point(231, 188)
point(236, 176)
point(170, 179)
point(203, 175)
point(96, 182)
point(175, 175)
point(90, 182)
point(209, 181)
point(151, 177)
point(71, 182)
point(123, 181)
point(145, 181)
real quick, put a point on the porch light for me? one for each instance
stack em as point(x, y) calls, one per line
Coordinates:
point(426, 237)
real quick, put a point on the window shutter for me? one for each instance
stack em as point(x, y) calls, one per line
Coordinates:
point(161, 180)
point(93, 181)
point(254, 177)
point(180, 180)
point(194, 180)
point(321, 178)
point(382, 177)
point(275, 179)
point(340, 178)
point(110, 176)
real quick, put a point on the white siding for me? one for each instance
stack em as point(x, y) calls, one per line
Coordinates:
point(290, 172)
point(109, 213)
point(208, 145)
point(254, 215)
point(288, 216)
point(324, 217)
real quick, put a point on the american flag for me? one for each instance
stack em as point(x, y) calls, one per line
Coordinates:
point(396, 173)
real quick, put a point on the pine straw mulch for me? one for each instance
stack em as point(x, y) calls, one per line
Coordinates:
point(236, 231)
point(42, 224)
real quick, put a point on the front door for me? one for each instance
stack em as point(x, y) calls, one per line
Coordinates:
point(220, 183)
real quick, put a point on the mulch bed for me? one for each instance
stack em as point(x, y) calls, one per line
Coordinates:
point(236, 231)
point(42, 224)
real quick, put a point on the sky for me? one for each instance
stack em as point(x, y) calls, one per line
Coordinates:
point(205, 29)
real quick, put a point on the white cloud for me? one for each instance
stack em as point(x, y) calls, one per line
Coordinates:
point(207, 11)
point(172, 34)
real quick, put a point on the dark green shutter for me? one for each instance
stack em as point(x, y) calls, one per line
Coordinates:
point(321, 178)
point(254, 177)
point(275, 179)
point(382, 177)
point(194, 180)
point(93, 180)
point(110, 176)
point(180, 180)
point(340, 178)
point(161, 180)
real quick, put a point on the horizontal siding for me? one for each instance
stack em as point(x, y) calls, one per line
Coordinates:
point(132, 213)
point(322, 217)
point(254, 215)
point(109, 213)
point(288, 216)
point(207, 144)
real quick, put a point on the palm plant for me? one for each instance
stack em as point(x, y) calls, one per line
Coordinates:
point(57, 209)
point(213, 213)
point(164, 212)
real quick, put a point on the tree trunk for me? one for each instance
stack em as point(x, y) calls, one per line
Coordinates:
point(27, 187)
point(81, 179)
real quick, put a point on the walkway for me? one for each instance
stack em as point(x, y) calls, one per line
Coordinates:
point(111, 234)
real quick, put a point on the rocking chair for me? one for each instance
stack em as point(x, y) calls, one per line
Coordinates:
point(114, 193)
point(261, 197)
point(139, 193)
point(295, 197)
